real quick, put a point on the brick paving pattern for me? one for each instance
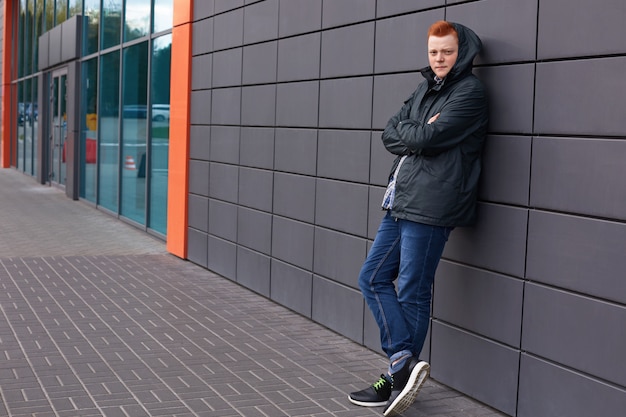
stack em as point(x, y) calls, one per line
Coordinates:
point(96, 319)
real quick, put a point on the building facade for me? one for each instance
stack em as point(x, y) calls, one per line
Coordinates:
point(275, 170)
point(86, 101)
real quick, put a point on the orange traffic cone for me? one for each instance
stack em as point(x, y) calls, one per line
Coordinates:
point(130, 163)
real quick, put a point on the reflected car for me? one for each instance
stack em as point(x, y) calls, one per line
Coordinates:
point(135, 111)
point(160, 112)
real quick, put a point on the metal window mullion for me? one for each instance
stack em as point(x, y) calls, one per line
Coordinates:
point(147, 167)
point(120, 132)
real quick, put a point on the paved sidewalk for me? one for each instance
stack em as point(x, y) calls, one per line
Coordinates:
point(97, 319)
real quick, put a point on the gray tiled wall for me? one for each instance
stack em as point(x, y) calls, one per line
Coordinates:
point(288, 101)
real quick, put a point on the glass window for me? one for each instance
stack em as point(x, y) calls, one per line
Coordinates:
point(137, 15)
point(134, 132)
point(39, 30)
point(20, 125)
point(92, 13)
point(49, 15)
point(34, 117)
point(22, 51)
point(159, 148)
point(162, 16)
point(61, 10)
point(108, 123)
point(76, 7)
point(111, 23)
point(89, 130)
point(29, 20)
point(30, 123)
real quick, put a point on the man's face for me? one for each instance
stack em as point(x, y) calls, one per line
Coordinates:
point(442, 54)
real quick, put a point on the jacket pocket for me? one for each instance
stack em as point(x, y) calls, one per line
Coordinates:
point(438, 185)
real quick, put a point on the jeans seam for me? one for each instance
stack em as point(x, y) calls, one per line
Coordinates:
point(422, 275)
point(380, 305)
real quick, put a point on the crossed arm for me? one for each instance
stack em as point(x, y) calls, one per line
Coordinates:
point(444, 130)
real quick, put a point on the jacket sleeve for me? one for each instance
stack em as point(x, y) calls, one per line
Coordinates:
point(464, 110)
point(391, 138)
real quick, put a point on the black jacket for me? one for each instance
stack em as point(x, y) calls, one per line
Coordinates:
point(437, 183)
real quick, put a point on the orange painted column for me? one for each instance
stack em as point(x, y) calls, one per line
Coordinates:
point(5, 105)
point(180, 98)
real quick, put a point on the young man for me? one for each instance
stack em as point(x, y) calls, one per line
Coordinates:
point(437, 136)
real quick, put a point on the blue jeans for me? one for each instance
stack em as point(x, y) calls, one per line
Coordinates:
point(409, 252)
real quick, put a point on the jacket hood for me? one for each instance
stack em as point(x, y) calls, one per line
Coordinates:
point(469, 46)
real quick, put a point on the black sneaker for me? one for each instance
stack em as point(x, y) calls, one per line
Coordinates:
point(406, 383)
point(375, 395)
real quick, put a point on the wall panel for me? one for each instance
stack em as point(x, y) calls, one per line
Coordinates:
point(253, 270)
point(258, 105)
point(583, 30)
point(346, 103)
point(503, 83)
point(299, 57)
point(344, 155)
point(358, 40)
point(341, 12)
point(547, 389)
point(291, 287)
point(292, 242)
point(299, 16)
point(337, 307)
point(386, 8)
point(202, 36)
point(579, 254)
point(338, 256)
point(579, 332)
point(341, 206)
point(512, 37)
point(497, 242)
point(222, 257)
point(259, 63)
point(226, 106)
point(257, 147)
point(479, 301)
point(505, 176)
point(294, 196)
point(224, 145)
point(198, 213)
point(226, 68)
point(260, 21)
point(202, 69)
point(228, 29)
point(390, 92)
point(483, 369)
point(297, 104)
point(223, 220)
point(255, 188)
point(568, 103)
point(567, 178)
point(287, 171)
point(200, 142)
point(296, 151)
point(223, 182)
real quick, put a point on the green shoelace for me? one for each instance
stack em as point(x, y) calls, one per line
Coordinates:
point(380, 383)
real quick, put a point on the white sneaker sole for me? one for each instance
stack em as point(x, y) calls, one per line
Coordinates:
point(409, 393)
point(363, 404)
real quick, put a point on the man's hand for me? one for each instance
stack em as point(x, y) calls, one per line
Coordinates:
point(432, 119)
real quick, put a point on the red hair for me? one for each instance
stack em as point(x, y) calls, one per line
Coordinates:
point(442, 28)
